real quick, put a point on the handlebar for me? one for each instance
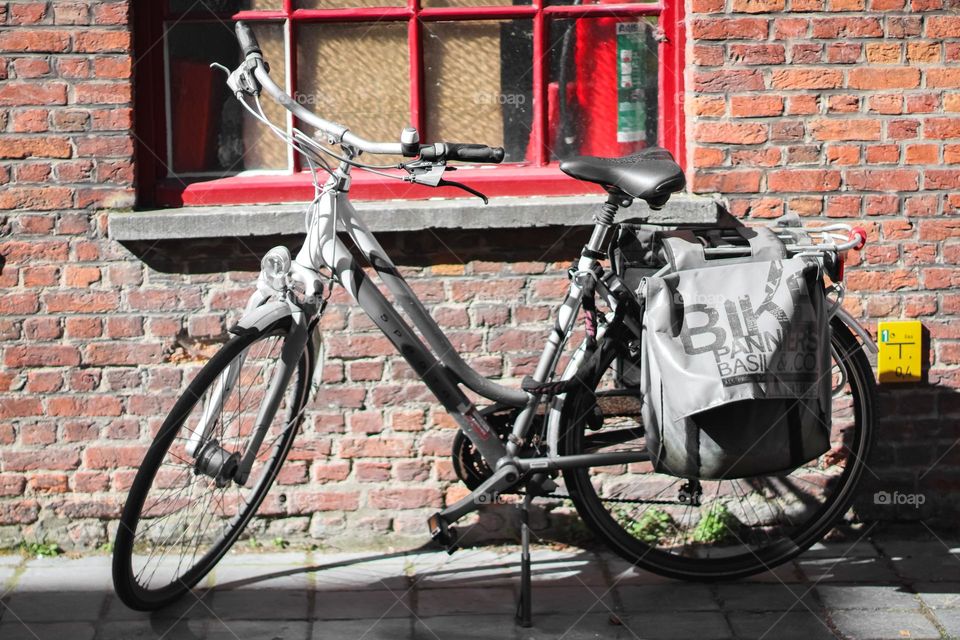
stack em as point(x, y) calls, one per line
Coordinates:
point(248, 41)
point(339, 134)
point(463, 152)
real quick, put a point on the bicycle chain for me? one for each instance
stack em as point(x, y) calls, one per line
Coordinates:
point(561, 496)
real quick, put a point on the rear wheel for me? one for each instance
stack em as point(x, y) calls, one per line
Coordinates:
point(181, 516)
point(713, 529)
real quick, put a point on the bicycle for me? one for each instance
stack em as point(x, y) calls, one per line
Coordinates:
point(564, 435)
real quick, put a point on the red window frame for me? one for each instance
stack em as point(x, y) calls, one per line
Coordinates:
point(539, 177)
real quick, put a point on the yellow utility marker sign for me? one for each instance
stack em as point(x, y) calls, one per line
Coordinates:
point(900, 351)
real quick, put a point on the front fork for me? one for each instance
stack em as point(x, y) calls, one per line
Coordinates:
point(211, 457)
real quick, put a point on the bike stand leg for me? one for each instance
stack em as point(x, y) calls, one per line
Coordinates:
point(524, 605)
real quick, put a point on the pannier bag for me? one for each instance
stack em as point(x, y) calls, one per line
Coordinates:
point(735, 360)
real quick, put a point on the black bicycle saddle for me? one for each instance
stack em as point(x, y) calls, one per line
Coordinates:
point(651, 175)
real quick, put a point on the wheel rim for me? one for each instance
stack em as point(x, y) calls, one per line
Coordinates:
point(753, 523)
point(186, 521)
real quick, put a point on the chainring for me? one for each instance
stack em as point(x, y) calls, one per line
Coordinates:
point(468, 464)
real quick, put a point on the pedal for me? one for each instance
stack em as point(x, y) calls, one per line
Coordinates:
point(442, 533)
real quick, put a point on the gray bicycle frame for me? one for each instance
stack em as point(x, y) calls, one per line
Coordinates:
point(442, 369)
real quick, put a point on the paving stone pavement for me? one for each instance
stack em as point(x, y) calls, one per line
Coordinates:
point(875, 588)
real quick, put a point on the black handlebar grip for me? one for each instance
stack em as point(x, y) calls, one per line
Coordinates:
point(473, 152)
point(248, 41)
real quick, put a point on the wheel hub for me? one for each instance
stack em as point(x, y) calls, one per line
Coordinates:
point(216, 462)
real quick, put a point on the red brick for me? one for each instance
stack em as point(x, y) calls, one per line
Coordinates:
point(902, 129)
point(20, 303)
point(941, 278)
point(111, 13)
point(943, 26)
point(120, 353)
point(756, 157)
point(921, 154)
point(381, 447)
point(887, 104)
point(707, 157)
point(942, 128)
point(101, 41)
point(52, 458)
point(71, 13)
point(104, 146)
point(753, 54)
point(841, 28)
point(806, 79)
point(891, 78)
point(42, 328)
point(708, 55)
point(405, 498)
point(113, 457)
point(884, 52)
point(803, 180)
point(803, 105)
point(727, 80)
point(731, 133)
point(102, 93)
point(729, 28)
point(31, 67)
point(843, 53)
point(923, 103)
point(845, 129)
point(27, 12)
point(34, 40)
point(114, 68)
point(78, 301)
point(80, 276)
point(19, 512)
point(707, 105)
point(11, 484)
point(314, 501)
point(784, 28)
point(942, 179)
point(889, 280)
point(18, 407)
point(755, 106)
point(18, 147)
point(843, 104)
point(882, 154)
point(806, 53)
point(79, 327)
point(36, 355)
point(883, 180)
point(727, 182)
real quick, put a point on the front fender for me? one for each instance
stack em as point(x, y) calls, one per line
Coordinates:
point(261, 317)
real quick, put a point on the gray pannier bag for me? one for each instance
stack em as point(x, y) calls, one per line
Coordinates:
point(735, 361)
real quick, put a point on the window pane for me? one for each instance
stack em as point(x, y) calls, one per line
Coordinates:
point(224, 6)
point(602, 96)
point(210, 131)
point(341, 4)
point(357, 75)
point(472, 3)
point(479, 83)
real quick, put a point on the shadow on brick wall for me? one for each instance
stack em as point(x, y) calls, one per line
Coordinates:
point(420, 249)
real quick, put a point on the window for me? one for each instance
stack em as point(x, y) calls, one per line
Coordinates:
point(545, 79)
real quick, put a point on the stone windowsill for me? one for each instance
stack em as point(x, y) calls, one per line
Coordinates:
point(395, 216)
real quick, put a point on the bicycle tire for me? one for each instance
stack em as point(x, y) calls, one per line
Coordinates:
point(595, 514)
point(125, 579)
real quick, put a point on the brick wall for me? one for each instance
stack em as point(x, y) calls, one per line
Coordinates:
point(839, 111)
point(849, 111)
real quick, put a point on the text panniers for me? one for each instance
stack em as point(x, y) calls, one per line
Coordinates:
point(734, 365)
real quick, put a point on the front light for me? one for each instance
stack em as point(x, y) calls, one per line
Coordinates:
point(275, 266)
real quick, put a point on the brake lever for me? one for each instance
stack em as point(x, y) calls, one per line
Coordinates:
point(243, 80)
point(460, 185)
point(431, 174)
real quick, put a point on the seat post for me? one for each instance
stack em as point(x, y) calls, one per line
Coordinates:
point(596, 247)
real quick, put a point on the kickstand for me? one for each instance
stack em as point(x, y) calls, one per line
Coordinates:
point(524, 605)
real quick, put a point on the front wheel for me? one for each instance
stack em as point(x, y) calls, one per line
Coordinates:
point(721, 529)
point(183, 513)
